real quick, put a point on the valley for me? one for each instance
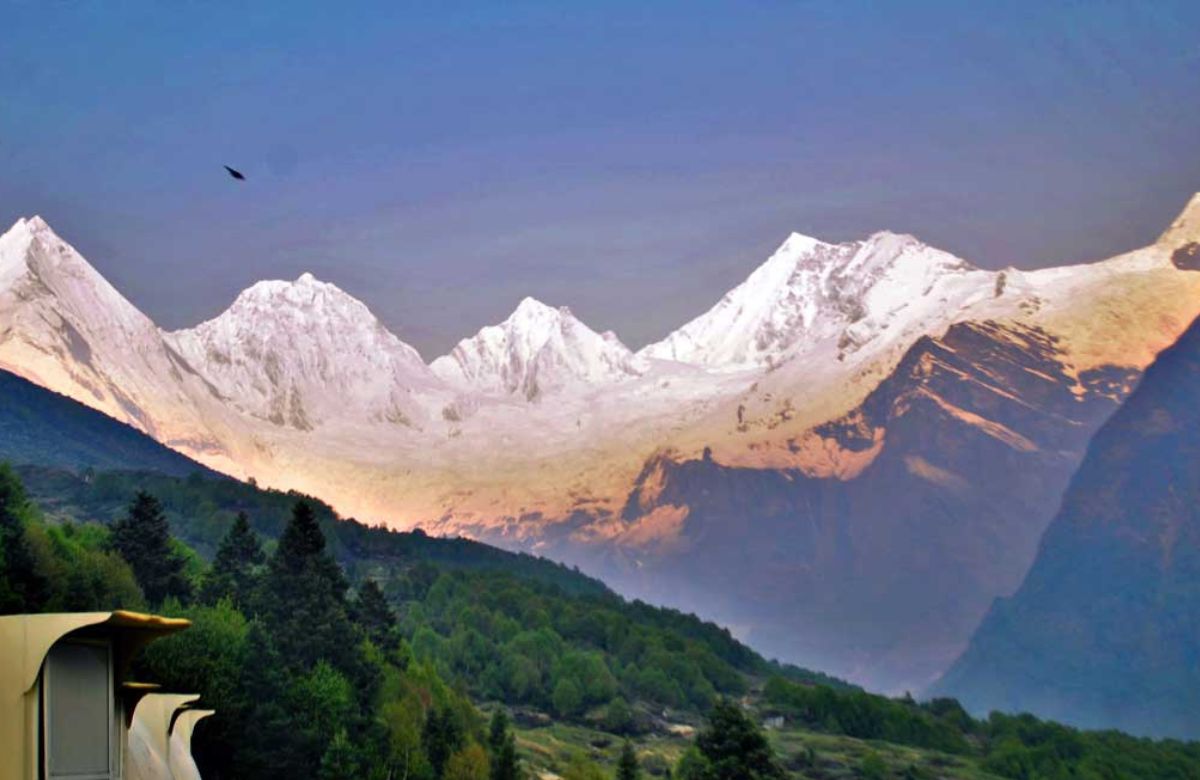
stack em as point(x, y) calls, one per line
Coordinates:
point(842, 401)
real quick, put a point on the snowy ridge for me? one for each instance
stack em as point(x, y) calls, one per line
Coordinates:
point(1186, 227)
point(300, 353)
point(808, 291)
point(39, 269)
point(299, 385)
point(63, 326)
point(536, 350)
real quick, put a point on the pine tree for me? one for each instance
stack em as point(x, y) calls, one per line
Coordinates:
point(497, 730)
point(304, 600)
point(272, 746)
point(627, 764)
point(735, 748)
point(373, 613)
point(23, 588)
point(235, 569)
point(504, 764)
point(143, 539)
point(441, 738)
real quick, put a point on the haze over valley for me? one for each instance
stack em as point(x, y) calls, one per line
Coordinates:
point(846, 458)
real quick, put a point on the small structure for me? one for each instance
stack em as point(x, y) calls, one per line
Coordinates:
point(179, 753)
point(149, 735)
point(65, 705)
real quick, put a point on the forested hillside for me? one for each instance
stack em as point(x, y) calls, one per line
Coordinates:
point(201, 509)
point(38, 426)
point(392, 670)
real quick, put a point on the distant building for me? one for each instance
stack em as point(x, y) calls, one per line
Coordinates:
point(66, 707)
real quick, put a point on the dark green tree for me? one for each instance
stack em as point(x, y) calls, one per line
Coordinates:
point(441, 737)
point(618, 717)
point(23, 588)
point(627, 764)
point(143, 539)
point(734, 747)
point(373, 613)
point(236, 567)
point(304, 599)
point(504, 764)
point(340, 761)
point(270, 745)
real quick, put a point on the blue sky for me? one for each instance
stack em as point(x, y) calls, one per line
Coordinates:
point(630, 160)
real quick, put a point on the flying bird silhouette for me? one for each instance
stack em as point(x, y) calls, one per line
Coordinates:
point(235, 173)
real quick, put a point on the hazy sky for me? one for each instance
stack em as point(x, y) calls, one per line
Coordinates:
point(630, 160)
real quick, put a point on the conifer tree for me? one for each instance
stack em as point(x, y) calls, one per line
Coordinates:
point(236, 566)
point(23, 588)
point(504, 764)
point(304, 599)
point(734, 748)
point(271, 746)
point(373, 613)
point(143, 539)
point(627, 764)
point(441, 738)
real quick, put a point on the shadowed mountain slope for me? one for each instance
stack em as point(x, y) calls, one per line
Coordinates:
point(1105, 630)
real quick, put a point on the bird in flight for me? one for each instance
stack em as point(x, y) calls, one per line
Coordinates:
point(235, 173)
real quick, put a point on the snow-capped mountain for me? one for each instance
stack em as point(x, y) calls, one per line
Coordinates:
point(300, 353)
point(538, 432)
point(536, 350)
point(63, 326)
point(809, 291)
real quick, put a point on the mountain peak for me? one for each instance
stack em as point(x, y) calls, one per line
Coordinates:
point(306, 293)
point(34, 224)
point(26, 229)
point(33, 252)
point(536, 349)
point(531, 308)
point(1186, 227)
point(809, 291)
point(37, 224)
point(297, 353)
point(799, 242)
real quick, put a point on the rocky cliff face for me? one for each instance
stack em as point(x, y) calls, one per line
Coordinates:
point(848, 456)
point(966, 446)
point(1105, 630)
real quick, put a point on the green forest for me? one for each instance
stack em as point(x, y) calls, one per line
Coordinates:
point(335, 650)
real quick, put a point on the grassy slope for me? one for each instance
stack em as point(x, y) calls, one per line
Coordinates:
point(548, 750)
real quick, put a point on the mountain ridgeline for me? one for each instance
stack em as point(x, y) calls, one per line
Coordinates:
point(44, 428)
point(87, 468)
point(1105, 629)
point(466, 624)
point(896, 565)
point(860, 428)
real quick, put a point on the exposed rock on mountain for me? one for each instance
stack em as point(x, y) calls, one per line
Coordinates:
point(854, 438)
point(961, 457)
point(1105, 630)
